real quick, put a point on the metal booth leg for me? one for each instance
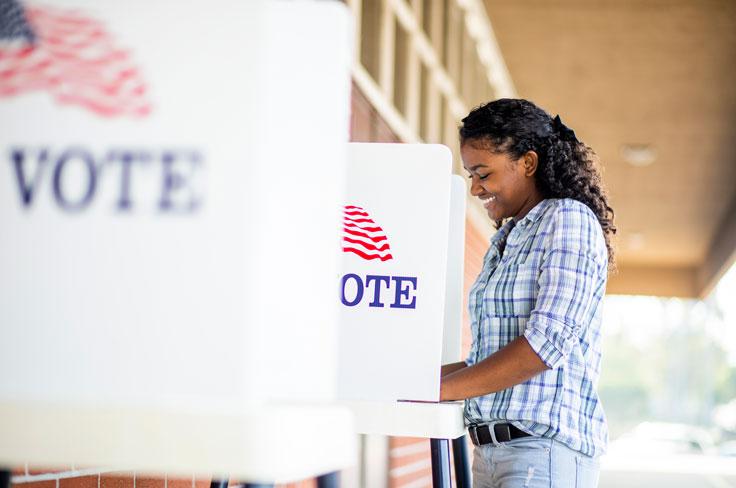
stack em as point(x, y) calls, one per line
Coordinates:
point(440, 463)
point(4, 479)
point(462, 465)
point(215, 483)
point(329, 480)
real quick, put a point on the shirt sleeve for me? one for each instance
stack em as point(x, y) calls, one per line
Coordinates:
point(571, 280)
point(470, 360)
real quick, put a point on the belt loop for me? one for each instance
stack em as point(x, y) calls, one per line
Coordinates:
point(507, 430)
point(492, 431)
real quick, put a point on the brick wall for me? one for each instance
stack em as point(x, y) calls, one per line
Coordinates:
point(72, 477)
point(365, 123)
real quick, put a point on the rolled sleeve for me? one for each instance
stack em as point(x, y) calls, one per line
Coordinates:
point(473, 353)
point(569, 282)
point(551, 340)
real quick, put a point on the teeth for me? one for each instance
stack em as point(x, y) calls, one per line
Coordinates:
point(488, 200)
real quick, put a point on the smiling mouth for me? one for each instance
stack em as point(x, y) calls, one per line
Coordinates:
point(488, 200)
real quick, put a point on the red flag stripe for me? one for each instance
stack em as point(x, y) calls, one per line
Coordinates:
point(360, 221)
point(369, 229)
point(377, 238)
point(366, 245)
point(370, 245)
point(367, 256)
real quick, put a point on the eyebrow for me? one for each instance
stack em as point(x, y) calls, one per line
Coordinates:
point(473, 168)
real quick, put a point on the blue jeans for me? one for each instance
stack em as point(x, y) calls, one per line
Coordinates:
point(532, 462)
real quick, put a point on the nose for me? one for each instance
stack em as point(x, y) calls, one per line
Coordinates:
point(475, 188)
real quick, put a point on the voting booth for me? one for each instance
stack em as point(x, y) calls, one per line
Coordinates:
point(172, 173)
point(399, 286)
point(401, 295)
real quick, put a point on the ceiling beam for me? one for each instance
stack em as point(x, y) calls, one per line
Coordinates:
point(654, 281)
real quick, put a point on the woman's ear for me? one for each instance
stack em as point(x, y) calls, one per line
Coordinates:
point(530, 162)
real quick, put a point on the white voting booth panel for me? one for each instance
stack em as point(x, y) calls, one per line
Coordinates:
point(165, 252)
point(453, 333)
point(394, 288)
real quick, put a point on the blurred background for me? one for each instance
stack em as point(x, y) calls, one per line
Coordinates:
point(650, 85)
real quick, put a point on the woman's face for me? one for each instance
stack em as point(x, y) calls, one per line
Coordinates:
point(504, 185)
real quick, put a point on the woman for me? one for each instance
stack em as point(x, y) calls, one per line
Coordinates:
point(530, 379)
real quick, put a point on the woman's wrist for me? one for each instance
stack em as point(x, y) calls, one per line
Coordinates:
point(452, 367)
point(446, 389)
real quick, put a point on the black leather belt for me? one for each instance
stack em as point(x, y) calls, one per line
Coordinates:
point(481, 434)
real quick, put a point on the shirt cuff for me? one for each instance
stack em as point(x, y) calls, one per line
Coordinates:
point(553, 352)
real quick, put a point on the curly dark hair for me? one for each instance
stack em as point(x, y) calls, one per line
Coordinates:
point(567, 167)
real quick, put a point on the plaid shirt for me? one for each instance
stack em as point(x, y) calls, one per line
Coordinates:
point(547, 284)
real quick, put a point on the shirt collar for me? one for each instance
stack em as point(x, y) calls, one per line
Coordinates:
point(532, 216)
point(502, 233)
point(535, 213)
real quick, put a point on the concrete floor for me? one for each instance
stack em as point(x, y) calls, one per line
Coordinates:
point(662, 480)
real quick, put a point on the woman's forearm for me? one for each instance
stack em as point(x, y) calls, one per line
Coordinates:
point(514, 364)
point(452, 367)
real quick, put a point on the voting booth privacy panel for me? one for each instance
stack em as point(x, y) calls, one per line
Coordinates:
point(453, 324)
point(171, 177)
point(394, 284)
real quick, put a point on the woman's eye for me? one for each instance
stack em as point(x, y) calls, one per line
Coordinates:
point(482, 177)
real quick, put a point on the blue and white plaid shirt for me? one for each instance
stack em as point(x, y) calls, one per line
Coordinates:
point(547, 285)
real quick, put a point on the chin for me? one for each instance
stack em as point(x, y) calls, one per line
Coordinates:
point(493, 212)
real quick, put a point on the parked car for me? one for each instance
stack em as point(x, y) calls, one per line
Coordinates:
point(727, 448)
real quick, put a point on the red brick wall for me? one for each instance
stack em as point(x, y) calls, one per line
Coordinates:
point(365, 123)
point(476, 246)
point(72, 477)
point(69, 477)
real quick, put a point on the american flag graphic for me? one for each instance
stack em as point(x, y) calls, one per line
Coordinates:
point(71, 57)
point(362, 236)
